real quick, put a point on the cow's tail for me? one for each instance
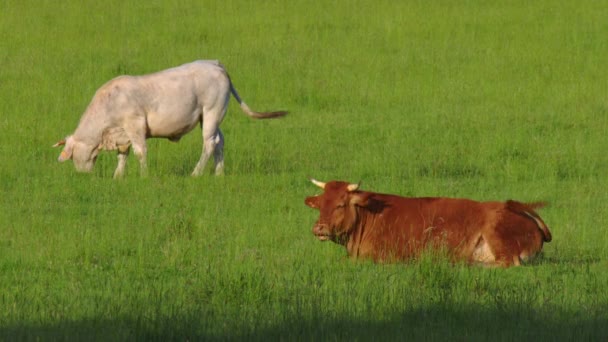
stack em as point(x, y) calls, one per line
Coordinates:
point(527, 209)
point(251, 113)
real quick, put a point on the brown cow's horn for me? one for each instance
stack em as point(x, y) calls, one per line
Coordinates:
point(59, 143)
point(317, 183)
point(352, 187)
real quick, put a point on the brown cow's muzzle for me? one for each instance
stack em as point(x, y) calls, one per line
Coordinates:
point(321, 231)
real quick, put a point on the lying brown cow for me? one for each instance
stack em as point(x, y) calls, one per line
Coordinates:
point(389, 227)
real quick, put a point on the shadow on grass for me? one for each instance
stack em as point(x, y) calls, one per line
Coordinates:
point(435, 323)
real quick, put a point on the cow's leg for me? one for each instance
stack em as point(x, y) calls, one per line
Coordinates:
point(136, 130)
point(218, 154)
point(122, 161)
point(516, 260)
point(213, 140)
point(140, 150)
point(209, 143)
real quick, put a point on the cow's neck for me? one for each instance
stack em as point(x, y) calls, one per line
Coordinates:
point(359, 234)
point(90, 129)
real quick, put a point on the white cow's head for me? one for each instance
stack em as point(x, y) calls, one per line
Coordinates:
point(83, 155)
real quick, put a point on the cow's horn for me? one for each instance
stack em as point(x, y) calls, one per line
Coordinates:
point(59, 143)
point(317, 183)
point(353, 187)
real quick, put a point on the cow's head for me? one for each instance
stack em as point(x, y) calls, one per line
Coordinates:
point(83, 154)
point(338, 208)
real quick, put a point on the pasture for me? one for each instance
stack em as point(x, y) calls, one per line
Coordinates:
point(476, 99)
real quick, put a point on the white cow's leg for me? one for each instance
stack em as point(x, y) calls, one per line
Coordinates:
point(136, 130)
point(122, 161)
point(140, 150)
point(213, 140)
point(218, 154)
point(209, 144)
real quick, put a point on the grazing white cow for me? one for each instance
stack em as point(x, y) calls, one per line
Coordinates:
point(168, 104)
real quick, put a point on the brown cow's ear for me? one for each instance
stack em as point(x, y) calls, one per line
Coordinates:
point(359, 199)
point(312, 202)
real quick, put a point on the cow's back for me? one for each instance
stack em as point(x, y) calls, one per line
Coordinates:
point(197, 77)
point(404, 227)
point(175, 100)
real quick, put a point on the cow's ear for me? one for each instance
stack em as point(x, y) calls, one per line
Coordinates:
point(312, 201)
point(359, 199)
point(60, 143)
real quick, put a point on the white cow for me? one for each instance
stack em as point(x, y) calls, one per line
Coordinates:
point(168, 104)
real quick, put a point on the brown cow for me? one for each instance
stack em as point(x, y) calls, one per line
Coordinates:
point(390, 228)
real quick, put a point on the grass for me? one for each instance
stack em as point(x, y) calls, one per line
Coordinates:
point(462, 99)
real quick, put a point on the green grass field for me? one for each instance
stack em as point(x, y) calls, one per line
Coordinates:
point(477, 99)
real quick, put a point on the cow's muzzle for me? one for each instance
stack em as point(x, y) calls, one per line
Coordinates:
point(321, 231)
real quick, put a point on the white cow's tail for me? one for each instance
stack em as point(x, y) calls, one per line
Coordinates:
point(251, 113)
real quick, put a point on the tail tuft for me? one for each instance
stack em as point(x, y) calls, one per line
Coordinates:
point(254, 114)
point(268, 115)
point(261, 115)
